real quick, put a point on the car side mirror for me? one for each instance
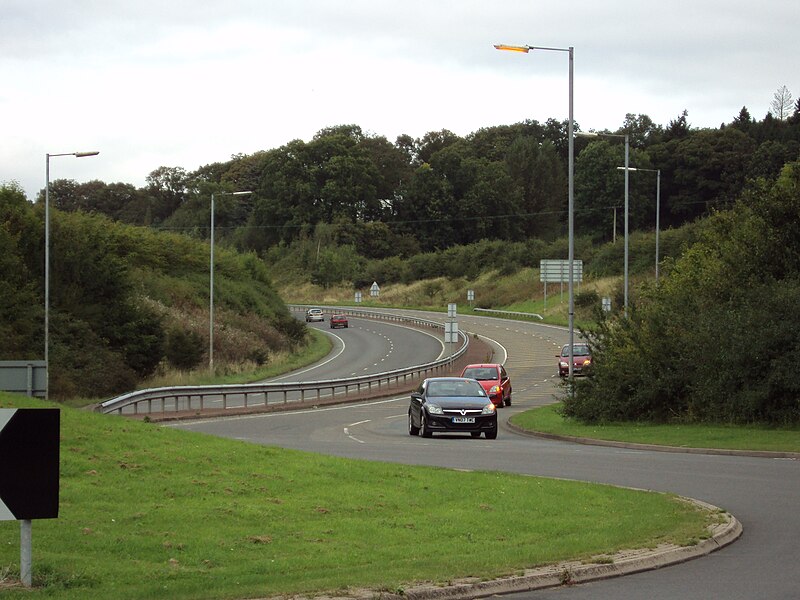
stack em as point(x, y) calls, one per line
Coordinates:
point(416, 396)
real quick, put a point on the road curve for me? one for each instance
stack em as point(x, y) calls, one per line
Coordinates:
point(763, 493)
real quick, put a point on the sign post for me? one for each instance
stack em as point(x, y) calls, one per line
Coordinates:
point(29, 446)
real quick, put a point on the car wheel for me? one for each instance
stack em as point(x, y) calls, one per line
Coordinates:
point(508, 401)
point(423, 427)
point(491, 434)
point(475, 434)
point(411, 429)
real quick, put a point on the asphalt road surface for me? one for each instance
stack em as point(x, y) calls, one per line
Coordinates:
point(763, 493)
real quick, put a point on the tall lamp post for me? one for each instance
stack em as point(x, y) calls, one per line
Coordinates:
point(570, 171)
point(626, 168)
point(47, 261)
point(658, 204)
point(211, 279)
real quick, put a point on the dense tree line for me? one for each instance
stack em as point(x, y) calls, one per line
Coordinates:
point(125, 300)
point(442, 190)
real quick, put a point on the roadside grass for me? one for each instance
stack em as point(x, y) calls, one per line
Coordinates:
point(318, 347)
point(152, 512)
point(727, 437)
point(520, 291)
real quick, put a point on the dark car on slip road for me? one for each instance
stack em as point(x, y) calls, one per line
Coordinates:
point(451, 405)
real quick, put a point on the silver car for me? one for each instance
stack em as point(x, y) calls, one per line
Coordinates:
point(314, 314)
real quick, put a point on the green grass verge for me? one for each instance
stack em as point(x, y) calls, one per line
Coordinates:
point(318, 347)
point(151, 512)
point(548, 420)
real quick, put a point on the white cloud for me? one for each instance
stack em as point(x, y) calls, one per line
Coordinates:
point(190, 83)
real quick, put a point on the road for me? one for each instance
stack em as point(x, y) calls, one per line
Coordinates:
point(764, 494)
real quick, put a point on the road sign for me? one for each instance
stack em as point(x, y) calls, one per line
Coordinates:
point(451, 332)
point(375, 290)
point(29, 455)
point(557, 271)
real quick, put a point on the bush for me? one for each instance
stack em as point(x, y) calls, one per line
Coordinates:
point(716, 340)
point(183, 349)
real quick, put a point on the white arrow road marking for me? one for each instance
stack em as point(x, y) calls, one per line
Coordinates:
point(347, 431)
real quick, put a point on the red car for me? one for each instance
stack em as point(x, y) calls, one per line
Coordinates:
point(494, 379)
point(581, 359)
point(338, 321)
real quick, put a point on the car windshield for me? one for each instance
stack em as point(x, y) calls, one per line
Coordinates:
point(577, 350)
point(454, 388)
point(482, 373)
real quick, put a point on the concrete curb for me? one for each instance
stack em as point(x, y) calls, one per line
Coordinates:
point(624, 562)
point(654, 447)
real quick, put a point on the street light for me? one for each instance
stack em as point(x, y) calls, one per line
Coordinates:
point(571, 169)
point(211, 279)
point(658, 204)
point(626, 169)
point(47, 261)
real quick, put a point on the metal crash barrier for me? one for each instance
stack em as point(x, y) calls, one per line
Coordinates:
point(198, 398)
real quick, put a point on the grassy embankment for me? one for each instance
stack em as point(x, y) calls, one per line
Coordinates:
point(548, 420)
point(151, 512)
point(520, 291)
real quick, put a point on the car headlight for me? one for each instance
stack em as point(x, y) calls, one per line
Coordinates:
point(495, 389)
point(434, 409)
point(489, 409)
point(587, 362)
point(563, 363)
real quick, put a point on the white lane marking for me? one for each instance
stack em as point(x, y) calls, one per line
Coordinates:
point(318, 365)
point(355, 439)
point(494, 341)
point(359, 422)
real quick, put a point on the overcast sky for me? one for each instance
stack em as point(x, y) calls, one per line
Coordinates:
point(185, 83)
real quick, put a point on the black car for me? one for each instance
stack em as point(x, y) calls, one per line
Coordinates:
point(451, 405)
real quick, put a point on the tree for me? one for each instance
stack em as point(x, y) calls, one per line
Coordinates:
point(600, 187)
point(743, 120)
point(541, 177)
point(782, 105)
point(641, 130)
point(795, 118)
point(432, 142)
point(20, 299)
point(678, 128)
point(427, 209)
point(168, 187)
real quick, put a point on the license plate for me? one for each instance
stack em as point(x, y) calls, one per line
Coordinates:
point(463, 419)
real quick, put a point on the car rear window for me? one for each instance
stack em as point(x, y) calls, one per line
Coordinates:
point(481, 373)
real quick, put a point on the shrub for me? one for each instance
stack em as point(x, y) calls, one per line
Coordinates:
point(183, 349)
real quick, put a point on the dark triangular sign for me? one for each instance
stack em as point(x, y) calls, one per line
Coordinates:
point(29, 458)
